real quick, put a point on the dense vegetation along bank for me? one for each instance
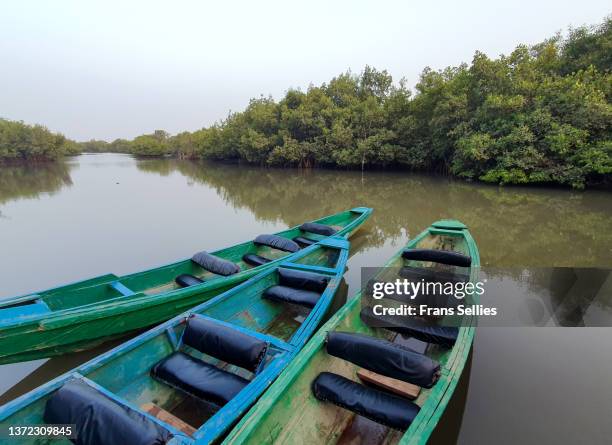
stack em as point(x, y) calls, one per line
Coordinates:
point(540, 115)
point(19, 141)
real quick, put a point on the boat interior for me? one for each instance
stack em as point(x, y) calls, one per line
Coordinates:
point(368, 384)
point(190, 375)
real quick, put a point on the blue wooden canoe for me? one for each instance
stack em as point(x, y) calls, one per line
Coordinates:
point(190, 379)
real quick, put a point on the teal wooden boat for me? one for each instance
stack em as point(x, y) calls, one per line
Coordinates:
point(190, 379)
point(354, 383)
point(80, 315)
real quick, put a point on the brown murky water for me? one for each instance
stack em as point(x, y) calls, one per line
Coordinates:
point(111, 213)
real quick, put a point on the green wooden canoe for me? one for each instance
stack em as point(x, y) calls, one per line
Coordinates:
point(289, 412)
point(83, 314)
point(188, 380)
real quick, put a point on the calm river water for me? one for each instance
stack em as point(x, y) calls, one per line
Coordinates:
point(111, 213)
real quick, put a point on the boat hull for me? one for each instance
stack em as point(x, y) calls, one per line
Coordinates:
point(125, 373)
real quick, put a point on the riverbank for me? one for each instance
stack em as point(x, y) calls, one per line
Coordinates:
point(540, 115)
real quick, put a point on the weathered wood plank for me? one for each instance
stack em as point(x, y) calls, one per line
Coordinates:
point(399, 387)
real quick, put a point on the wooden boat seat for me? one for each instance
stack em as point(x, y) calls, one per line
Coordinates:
point(445, 336)
point(319, 229)
point(277, 242)
point(255, 260)
point(297, 287)
point(215, 264)
point(379, 406)
point(198, 378)
point(168, 418)
point(438, 256)
point(383, 357)
point(100, 420)
point(23, 310)
point(304, 241)
point(397, 386)
point(186, 280)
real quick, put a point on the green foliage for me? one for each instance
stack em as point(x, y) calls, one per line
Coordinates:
point(155, 144)
point(541, 114)
point(19, 141)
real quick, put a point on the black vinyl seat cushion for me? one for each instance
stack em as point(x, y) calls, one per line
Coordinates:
point(198, 378)
point(225, 343)
point(319, 229)
point(255, 260)
point(303, 241)
point(302, 280)
point(186, 280)
point(99, 420)
point(438, 256)
point(432, 275)
point(297, 287)
point(384, 357)
point(215, 264)
point(277, 242)
point(441, 335)
point(286, 294)
point(381, 407)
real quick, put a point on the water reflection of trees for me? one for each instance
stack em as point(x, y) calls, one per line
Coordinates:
point(513, 226)
point(30, 180)
point(557, 296)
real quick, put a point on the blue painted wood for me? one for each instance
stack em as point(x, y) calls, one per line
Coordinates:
point(23, 311)
point(122, 289)
point(280, 355)
point(335, 241)
point(172, 336)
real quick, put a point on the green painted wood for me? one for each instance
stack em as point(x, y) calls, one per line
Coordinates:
point(124, 373)
point(83, 314)
point(289, 413)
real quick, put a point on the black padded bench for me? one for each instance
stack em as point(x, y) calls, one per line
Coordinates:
point(319, 229)
point(297, 287)
point(186, 280)
point(379, 406)
point(382, 357)
point(255, 260)
point(210, 263)
point(198, 378)
point(277, 242)
point(304, 241)
point(204, 380)
point(445, 336)
point(100, 420)
point(438, 256)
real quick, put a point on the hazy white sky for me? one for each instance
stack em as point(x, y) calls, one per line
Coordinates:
point(118, 69)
